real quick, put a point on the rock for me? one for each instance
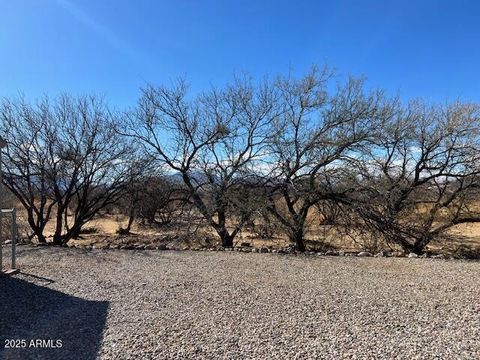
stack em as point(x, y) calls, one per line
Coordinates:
point(6, 242)
point(364, 254)
point(341, 253)
point(286, 250)
point(412, 255)
point(331, 253)
point(381, 254)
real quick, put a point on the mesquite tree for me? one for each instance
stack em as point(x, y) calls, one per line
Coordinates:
point(64, 160)
point(212, 141)
point(316, 132)
point(152, 199)
point(421, 176)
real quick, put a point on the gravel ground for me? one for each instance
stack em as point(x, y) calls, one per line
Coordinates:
point(115, 304)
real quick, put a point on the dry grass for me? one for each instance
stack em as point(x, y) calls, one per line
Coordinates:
point(102, 232)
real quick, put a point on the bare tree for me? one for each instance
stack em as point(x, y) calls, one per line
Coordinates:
point(212, 141)
point(314, 136)
point(421, 176)
point(160, 200)
point(135, 191)
point(64, 160)
point(24, 166)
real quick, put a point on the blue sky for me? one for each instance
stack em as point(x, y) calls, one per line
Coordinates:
point(420, 48)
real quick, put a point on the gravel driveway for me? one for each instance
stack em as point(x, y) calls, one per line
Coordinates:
point(115, 304)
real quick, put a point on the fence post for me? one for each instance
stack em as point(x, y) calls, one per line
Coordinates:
point(14, 238)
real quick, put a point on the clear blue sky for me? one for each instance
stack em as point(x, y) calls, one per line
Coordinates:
point(421, 48)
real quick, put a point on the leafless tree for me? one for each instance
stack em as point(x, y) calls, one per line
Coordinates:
point(317, 131)
point(64, 160)
point(212, 141)
point(135, 191)
point(160, 200)
point(421, 176)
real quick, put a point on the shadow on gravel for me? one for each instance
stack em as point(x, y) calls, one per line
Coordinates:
point(40, 323)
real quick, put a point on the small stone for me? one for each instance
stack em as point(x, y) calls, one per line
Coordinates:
point(412, 255)
point(364, 254)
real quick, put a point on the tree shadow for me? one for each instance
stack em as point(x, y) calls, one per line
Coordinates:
point(61, 326)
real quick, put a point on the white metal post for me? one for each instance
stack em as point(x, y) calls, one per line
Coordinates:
point(14, 238)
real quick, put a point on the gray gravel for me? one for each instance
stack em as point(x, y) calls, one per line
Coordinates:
point(205, 305)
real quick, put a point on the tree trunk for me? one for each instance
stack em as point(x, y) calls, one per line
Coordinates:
point(37, 229)
point(58, 240)
point(227, 239)
point(420, 245)
point(40, 237)
point(297, 238)
point(57, 237)
point(131, 219)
